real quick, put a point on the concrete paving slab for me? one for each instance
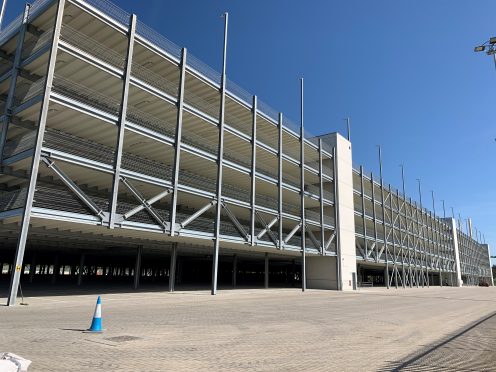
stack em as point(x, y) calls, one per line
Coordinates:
point(263, 330)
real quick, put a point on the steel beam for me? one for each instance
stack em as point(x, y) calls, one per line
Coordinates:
point(236, 222)
point(15, 72)
point(122, 120)
point(21, 244)
point(197, 214)
point(74, 188)
point(144, 202)
point(149, 202)
point(177, 143)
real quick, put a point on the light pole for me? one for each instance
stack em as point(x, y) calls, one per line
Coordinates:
point(489, 47)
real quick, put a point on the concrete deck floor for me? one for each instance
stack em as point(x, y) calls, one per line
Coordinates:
point(264, 330)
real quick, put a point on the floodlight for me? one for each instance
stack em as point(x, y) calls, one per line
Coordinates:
point(480, 48)
point(492, 40)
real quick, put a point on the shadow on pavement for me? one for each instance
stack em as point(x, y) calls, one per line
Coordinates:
point(471, 349)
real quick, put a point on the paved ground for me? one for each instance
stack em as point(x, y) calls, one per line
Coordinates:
point(263, 330)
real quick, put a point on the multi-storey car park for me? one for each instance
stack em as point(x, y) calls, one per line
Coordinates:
point(124, 156)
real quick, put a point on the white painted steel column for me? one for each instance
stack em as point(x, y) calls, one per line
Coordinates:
point(220, 158)
point(177, 143)
point(321, 195)
point(26, 216)
point(122, 120)
point(302, 193)
point(456, 249)
point(279, 183)
point(253, 171)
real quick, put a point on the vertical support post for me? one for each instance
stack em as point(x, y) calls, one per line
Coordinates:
point(456, 251)
point(402, 226)
point(321, 195)
point(177, 143)
point(339, 281)
point(435, 239)
point(56, 269)
point(384, 218)
point(279, 183)
point(374, 216)
point(122, 120)
point(137, 267)
point(172, 269)
point(13, 77)
point(253, 194)
point(32, 268)
point(26, 215)
point(395, 256)
point(235, 270)
point(266, 272)
point(220, 159)
point(364, 220)
point(302, 193)
point(81, 268)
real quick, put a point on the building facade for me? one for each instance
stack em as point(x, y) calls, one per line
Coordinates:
point(123, 155)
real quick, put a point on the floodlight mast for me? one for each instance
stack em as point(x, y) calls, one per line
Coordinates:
point(489, 47)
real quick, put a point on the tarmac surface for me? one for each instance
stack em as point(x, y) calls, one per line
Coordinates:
point(429, 329)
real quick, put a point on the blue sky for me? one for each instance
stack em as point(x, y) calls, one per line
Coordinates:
point(404, 71)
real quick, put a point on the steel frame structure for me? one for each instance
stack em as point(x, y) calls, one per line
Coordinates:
point(129, 130)
point(413, 241)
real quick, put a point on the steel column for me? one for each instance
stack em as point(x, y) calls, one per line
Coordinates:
point(21, 243)
point(279, 182)
point(172, 269)
point(384, 217)
point(364, 220)
point(177, 143)
point(235, 270)
point(336, 219)
point(32, 268)
point(16, 69)
point(321, 197)
point(220, 159)
point(374, 216)
point(253, 171)
point(266, 272)
point(122, 120)
point(137, 267)
point(81, 269)
point(302, 192)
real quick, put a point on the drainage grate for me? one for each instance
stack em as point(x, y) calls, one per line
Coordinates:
point(122, 338)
